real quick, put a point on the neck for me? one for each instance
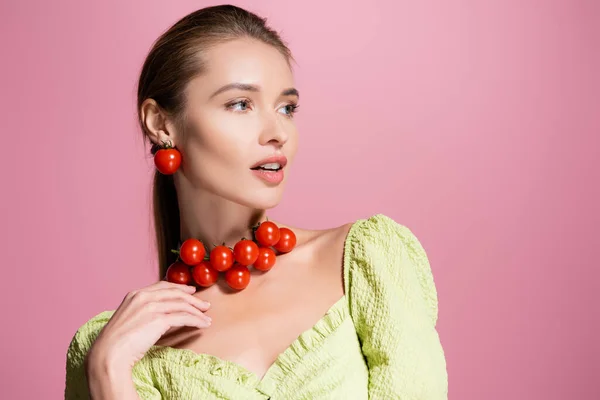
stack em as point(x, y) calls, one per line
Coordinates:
point(214, 220)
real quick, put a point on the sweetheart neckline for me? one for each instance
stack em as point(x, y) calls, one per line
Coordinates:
point(245, 374)
point(250, 377)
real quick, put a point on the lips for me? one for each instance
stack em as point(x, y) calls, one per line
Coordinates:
point(281, 160)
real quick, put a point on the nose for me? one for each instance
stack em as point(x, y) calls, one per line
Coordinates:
point(274, 131)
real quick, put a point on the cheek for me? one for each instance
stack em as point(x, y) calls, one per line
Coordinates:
point(226, 133)
point(221, 145)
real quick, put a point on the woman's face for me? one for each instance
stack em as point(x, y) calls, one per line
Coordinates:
point(229, 129)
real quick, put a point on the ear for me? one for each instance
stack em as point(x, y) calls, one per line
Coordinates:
point(156, 123)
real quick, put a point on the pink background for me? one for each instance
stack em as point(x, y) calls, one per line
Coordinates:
point(475, 124)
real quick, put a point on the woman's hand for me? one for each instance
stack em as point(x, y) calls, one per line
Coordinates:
point(141, 319)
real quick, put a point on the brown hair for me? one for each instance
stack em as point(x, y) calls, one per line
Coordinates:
point(174, 59)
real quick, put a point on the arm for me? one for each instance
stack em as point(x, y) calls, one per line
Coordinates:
point(108, 382)
point(91, 376)
point(393, 303)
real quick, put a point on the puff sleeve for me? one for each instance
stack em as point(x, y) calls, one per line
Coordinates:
point(394, 306)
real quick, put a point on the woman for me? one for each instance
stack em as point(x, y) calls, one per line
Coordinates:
point(348, 313)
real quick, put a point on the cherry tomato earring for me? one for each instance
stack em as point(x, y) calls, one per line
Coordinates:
point(167, 159)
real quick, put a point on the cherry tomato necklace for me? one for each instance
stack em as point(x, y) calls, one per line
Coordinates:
point(194, 265)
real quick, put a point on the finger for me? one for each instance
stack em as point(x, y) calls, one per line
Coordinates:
point(181, 319)
point(159, 286)
point(174, 294)
point(166, 284)
point(171, 307)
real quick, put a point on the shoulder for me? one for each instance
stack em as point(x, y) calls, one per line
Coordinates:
point(375, 236)
point(85, 336)
point(380, 235)
point(92, 327)
point(385, 258)
point(379, 229)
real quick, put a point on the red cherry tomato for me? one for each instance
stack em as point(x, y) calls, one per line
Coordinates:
point(265, 260)
point(167, 161)
point(245, 252)
point(178, 272)
point(238, 277)
point(192, 252)
point(287, 241)
point(221, 258)
point(204, 274)
point(267, 234)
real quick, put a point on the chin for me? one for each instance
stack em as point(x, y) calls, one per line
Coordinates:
point(267, 202)
point(263, 200)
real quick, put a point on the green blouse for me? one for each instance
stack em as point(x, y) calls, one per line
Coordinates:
point(378, 341)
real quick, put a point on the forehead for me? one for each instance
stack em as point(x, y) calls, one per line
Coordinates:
point(244, 61)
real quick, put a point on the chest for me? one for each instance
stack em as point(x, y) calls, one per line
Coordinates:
point(253, 327)
point(324, 363)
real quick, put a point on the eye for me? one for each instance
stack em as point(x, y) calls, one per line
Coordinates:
point(291, 109)
point(243, 106)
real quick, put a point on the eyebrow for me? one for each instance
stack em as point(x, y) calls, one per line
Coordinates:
point(252, 88)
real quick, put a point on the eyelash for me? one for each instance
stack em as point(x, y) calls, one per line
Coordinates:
point(293, 106)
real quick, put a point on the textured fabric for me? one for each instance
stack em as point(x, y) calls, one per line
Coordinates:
point(378, 341)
